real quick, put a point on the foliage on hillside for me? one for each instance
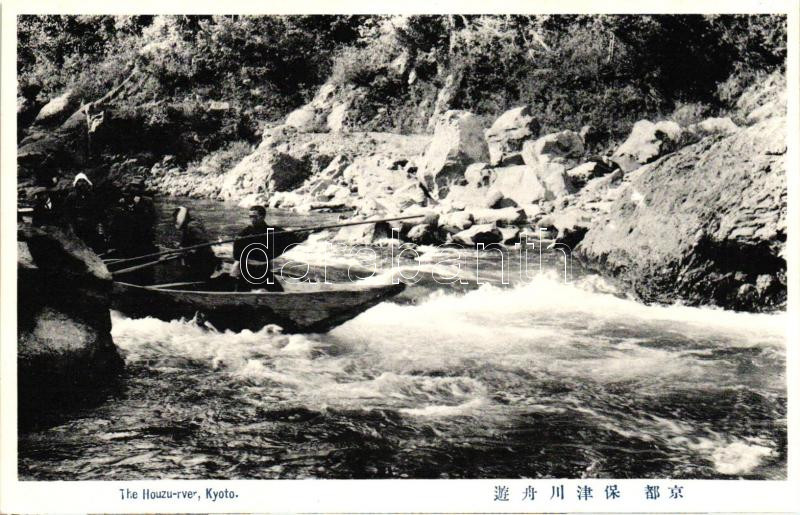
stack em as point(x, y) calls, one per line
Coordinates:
point(608, 71)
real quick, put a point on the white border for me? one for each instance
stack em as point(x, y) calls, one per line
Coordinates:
point(379, 495)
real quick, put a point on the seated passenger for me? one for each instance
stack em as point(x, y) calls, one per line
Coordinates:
point(199, 263)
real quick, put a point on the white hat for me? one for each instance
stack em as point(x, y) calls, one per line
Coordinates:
point(81, 176)
point(180, 216)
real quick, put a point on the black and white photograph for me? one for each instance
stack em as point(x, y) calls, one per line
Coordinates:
point(513, 247)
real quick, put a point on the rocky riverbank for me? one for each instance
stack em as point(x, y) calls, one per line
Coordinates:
point(692, 213)
point(679, 213)
point(66, 357)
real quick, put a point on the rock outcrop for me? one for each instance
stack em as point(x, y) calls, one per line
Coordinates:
point(706, 225)
point(457, 142)
point(507, 135)
point(564, 148)
point(583, 173)
point(647, 142)
point(764, 99)
point(363, 166)
point(65, 354)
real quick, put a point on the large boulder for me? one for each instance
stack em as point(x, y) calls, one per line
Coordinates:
point(585, 172)
point(457, 142)
point(570, 225)
point(422, 234)
point(520, 183)
point(65, 353)
point(502, 217)
point(529, 184)
point(365, 234)
point(508, 133)
point(706, 225)
point(486, 234)
point(456, 221)
point(263, 171)
point(563, 148)
point(647, 142)
point(58, 109)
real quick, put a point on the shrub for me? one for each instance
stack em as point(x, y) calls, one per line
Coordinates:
point(219, 162)
point(686, 114)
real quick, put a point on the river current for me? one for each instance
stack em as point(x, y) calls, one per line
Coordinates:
point(540, 377)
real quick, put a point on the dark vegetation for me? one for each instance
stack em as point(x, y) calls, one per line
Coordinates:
point(607, 71)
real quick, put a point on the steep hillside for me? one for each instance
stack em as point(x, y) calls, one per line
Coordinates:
point(142, 87)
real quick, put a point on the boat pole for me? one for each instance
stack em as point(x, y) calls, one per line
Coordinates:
point(182, 250)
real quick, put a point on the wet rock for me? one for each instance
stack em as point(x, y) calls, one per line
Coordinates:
point(509, 235)
point(501, 217)
point(456, 221)
point(64, 349)
point(457, 142)
point(647, 142)
point(570, 225)
point(422, 234)
point(508, 133)
point(702, 223)
point(366, 234)
point(486, 234)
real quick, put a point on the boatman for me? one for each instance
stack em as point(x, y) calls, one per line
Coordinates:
point(84, 214)
point(259, 242)
point(143, 214)
point(199, 263)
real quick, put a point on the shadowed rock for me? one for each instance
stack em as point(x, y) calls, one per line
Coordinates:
point(706, 225)
point(65, 354)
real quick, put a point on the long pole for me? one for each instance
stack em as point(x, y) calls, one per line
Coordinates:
point(302, 229)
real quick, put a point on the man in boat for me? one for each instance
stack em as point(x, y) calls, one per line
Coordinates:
point(199, 263)
point(44, 208)
point(133, 223)
point(131, 230)
point(84, 214)
point(259, 241)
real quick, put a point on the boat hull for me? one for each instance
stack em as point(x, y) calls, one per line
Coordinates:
point(301, 308)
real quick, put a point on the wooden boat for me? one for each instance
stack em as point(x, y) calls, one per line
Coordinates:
point(303, 307)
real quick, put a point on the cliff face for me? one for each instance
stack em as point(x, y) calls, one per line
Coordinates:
point(65, 354)
point(705, 225)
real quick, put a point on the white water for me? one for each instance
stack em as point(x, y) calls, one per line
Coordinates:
point(482, 355)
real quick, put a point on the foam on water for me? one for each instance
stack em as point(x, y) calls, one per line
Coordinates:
point(494, 354)
point(465, 380)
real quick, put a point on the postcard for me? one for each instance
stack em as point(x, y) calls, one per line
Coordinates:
point(419, 258)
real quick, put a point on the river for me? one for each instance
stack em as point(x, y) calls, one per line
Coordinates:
point(540, 377)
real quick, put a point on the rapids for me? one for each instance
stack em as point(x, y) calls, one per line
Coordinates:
point(535, 378)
